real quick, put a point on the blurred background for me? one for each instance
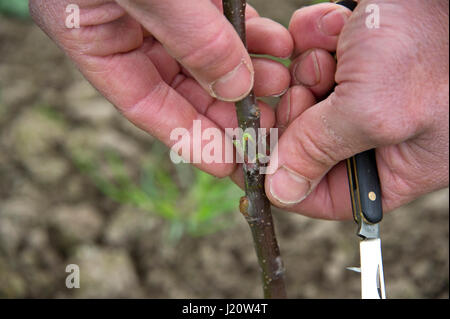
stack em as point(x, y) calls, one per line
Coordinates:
point(80, 185)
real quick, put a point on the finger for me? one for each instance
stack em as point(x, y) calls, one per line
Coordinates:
point(318, 26)
point(237, 177)
point(296, 100)
point(318, 139)
point(250, 12)
point(202, 40)
point(222, 113)
point(271, 77)
point(265, 36)
point(118, 34)
point(167, 67)
point(330, 199)
point(315, 69)
point(100, 14)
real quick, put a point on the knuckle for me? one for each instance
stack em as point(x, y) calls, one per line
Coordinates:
point(317, 152)
point(213, 48)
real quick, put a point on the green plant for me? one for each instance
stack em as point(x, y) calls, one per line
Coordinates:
point(285, 62)
point(17, 8)
point(199, 208)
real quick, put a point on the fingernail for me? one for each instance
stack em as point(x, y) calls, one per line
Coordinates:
point(287, 187)
point(235, 85)
point(307, 71)
point(332, 22)
point(280, 93)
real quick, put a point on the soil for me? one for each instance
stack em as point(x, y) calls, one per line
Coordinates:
point(52, 215)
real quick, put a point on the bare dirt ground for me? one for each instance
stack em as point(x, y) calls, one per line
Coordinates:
point(52, 215)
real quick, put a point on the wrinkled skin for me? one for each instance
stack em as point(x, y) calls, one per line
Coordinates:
point(392, 94)
point(166, 63)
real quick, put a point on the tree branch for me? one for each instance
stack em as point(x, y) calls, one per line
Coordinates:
point(254, 205)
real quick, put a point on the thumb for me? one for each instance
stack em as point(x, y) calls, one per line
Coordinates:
point(321, 137)
point(202, 40)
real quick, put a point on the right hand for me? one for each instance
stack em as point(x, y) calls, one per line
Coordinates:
point(392, 94)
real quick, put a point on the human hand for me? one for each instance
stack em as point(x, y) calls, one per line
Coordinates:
point(166, 63)
point(392, 94)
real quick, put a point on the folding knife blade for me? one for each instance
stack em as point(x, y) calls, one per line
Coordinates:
point(372, 275)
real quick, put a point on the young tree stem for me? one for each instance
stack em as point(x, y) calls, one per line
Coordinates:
point(254, 205)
